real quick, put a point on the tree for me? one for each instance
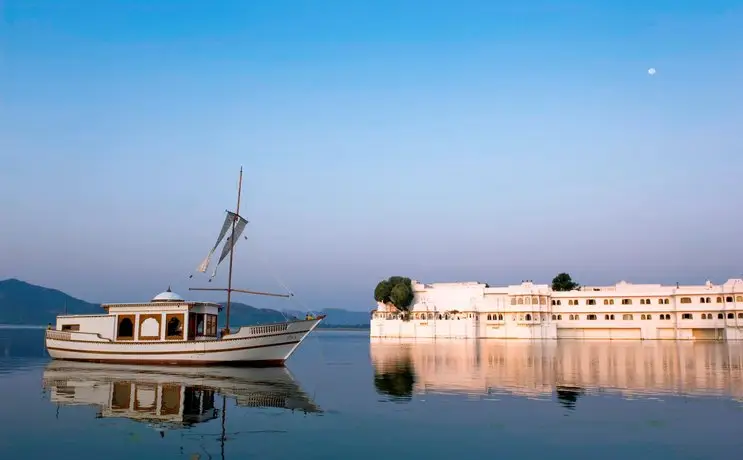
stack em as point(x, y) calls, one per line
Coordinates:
point(396, 290)
point(402, 296)
point(382, 291)
point(563, 282)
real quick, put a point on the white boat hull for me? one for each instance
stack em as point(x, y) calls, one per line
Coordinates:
point(248, 346)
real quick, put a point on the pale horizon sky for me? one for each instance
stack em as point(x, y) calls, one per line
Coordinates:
point(444, 141)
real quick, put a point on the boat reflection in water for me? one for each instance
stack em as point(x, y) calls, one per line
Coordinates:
point(564, 369)
point(169, 398)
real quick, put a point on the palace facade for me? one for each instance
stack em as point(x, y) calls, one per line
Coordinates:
point(534, 311)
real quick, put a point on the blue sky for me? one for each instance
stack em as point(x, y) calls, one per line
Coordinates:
point(459, 140)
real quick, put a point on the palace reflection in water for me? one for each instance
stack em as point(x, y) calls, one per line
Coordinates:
point(563, 369)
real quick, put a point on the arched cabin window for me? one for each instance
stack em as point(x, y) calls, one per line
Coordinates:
point(125, 329)
point(174, 327)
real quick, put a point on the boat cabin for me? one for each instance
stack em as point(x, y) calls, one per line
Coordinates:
point(167, 317)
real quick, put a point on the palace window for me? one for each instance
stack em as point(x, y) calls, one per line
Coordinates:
point(739, 298)
point(685, 300)
point(627, 317)
point(591, 302)
point(720, 316)
point(687, 316)
point(719, 300)
point(513, 300)
point(626, 301)
point(729, 299)
point(608, 317)
point(649, 317)
point(591, 317)
point(668, 316)
point(520, 301)
point(528, 317)
point(642, 301)
point(731, 316)
point(740, 315)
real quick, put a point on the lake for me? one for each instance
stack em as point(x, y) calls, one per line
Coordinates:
point(344, 396)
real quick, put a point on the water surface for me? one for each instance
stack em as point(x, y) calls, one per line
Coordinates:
point(346, 396)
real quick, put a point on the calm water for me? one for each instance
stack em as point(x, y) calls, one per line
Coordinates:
point(345, 397)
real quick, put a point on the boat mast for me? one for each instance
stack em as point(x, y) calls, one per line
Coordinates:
point(231, 241)
point(232, 252)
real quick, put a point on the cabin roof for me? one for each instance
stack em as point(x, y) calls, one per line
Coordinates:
point(165, 298)
point(157, 305)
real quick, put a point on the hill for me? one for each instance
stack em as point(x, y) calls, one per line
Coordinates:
point(25, 303)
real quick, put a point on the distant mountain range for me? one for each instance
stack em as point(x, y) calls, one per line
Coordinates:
point(25, 303)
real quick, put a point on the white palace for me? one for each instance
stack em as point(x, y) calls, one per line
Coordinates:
point(534, 311)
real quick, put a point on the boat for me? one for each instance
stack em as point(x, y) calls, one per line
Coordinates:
point(170, 399)
point(170, 330)
point(624, 311)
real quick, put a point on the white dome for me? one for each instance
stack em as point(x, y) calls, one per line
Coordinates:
point(167, 296)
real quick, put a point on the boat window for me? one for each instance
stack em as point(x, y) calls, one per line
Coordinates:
point(211, 325)
point(126, 328)
point(175, 327)
point(70, 327)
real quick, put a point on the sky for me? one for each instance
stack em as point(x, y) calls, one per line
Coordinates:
point(440, 140)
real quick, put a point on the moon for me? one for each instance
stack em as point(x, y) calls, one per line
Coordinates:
point(651, 71)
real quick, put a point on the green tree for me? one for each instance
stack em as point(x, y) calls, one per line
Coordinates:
point(402, 296)
point(563, 282)
point(382, 291)
point(396, 290)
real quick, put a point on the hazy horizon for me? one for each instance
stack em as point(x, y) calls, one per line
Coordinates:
point(445, 142)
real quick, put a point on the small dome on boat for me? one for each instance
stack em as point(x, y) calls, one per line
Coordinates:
point(167, 296)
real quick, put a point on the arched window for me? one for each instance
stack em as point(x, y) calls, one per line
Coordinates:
point(125, 329)
point(500, 317)
point(528, 317)
point(729, 298)
point(702, 300)
point(174, 327)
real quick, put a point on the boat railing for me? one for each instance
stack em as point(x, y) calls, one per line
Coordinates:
point(54, 334)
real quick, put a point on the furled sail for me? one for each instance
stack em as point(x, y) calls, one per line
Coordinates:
point(231, 240)
point(229, 218)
